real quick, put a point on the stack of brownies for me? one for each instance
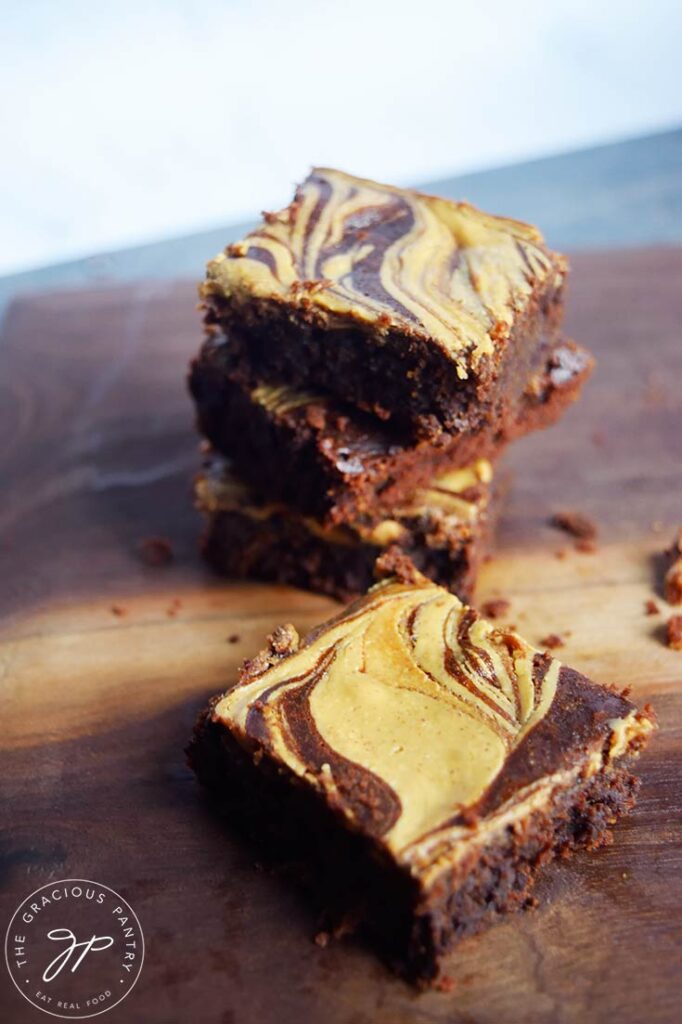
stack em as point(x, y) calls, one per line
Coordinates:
point(369, 352)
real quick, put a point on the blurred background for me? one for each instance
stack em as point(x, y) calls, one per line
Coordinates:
point(132, 122)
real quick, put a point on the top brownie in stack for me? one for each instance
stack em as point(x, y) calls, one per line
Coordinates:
point(404, 304)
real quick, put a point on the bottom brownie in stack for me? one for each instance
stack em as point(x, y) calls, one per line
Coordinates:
point(444, 530)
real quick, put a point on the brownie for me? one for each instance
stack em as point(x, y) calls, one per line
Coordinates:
point(405, 304)
point(424, 761)
point(333, 462)
point(444, 530)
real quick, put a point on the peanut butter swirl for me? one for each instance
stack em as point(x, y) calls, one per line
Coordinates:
point(352, 249)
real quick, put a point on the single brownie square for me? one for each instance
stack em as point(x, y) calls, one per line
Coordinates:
point(444, 530)
point(426, 760)
point(331, 461)
point(403, 303)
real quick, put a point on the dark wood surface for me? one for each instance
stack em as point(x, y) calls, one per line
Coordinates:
point(98, 454)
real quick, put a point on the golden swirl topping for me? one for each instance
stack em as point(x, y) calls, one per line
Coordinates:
point(402, 711)
point(389, 257)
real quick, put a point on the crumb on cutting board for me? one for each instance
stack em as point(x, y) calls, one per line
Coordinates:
point(672, 584)
point(495, 608)
point(552, 640)
point(674, 633)
point(155, 551)
point(574, 523)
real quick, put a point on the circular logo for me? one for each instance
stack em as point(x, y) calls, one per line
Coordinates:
point(74, 948)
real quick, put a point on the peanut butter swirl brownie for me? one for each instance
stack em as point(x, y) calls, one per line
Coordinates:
point(444, 529)
point(431, 760)
point(328, 460)
point(401, 302)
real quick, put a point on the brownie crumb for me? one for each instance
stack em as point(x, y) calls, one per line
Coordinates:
point(552, 640)
point(585, 546)
point(233, 638)
point(672, 584)
point(322, 939)
point(283, 640)
point(496, 608)
point(560, 554)
point(174, 607)
point(574, 523)
point(651, 608)
point(674, 633)
point(446, 984)
point(118, 610)
point(395, 562)
point(156, 551)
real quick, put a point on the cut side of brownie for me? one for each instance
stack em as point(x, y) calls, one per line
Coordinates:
point(444, 530)
point(403, 303)
point(426, 761)
point(335, 463)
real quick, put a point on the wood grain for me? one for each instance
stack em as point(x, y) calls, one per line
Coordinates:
point(98, 454)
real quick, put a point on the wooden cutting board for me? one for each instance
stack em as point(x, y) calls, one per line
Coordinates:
point(97, 454)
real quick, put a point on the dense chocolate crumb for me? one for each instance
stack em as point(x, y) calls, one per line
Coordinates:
point(496, 608)
point(233, 638)
point(651, 608)
point(156, 551)
point(674, 633)
point(118, 610)
point(672, 585)
point(552, 640)
point(575, 523)
point(585, 546)
point(174, 607)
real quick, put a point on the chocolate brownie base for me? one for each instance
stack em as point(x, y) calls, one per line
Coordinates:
point(247, 540)
point(337, 464)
